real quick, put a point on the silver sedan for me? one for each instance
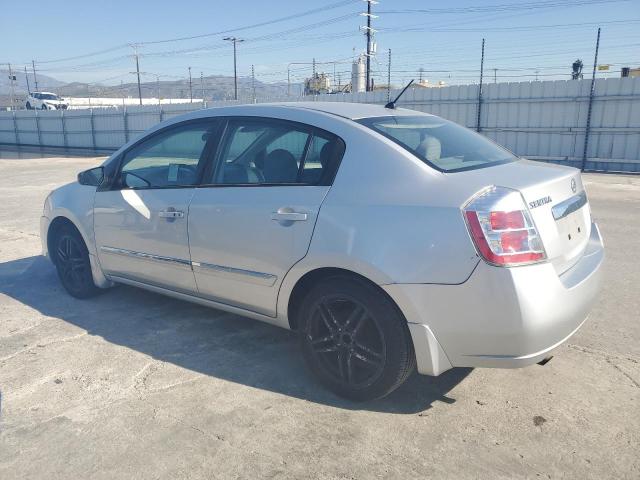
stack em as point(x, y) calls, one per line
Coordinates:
point(389, 239)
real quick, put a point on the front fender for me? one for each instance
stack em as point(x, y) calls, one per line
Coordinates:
point(74, 202)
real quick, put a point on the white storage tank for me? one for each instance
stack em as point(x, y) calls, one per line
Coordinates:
point(358, 81)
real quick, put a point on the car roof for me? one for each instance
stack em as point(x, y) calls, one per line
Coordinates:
point(48, 93)
point(349, 110)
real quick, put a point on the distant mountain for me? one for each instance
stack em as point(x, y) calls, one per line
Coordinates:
point(216, 87)
point(20, 85)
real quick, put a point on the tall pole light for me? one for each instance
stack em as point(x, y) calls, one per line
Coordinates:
point(11, 79)
point(234, 40)
point(26, 75)
point(190, 87)
point(135, 54)
point(592, 92)
point(35, 78)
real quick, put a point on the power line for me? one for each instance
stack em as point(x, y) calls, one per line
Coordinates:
point(255, 25)
point(502, 7)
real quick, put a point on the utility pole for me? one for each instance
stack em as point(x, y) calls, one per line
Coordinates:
point(495, 75)
point(35, 78)
point(369, 36)
point(190, 87)
point(26, 75)
point(11, 79)
point(234, 40)
point(202, 86)
point(591, 95)
point(135, 54)
point(480, 88)
point(389, 77)
point(288, 80)
point(158, 88)
point(253, 83)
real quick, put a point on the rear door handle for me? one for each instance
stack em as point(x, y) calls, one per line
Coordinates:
point(171, 213)
point(287, 214)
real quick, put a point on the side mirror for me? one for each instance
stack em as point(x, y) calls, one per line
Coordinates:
point(92, 177)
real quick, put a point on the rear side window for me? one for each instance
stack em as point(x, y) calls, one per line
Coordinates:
point(442, 144)
point(270, 151)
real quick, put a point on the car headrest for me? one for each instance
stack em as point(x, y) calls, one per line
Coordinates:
point(280, 166)
point(430, 148)
point(326, 153)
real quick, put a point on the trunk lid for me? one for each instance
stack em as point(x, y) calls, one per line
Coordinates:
point(555, 198)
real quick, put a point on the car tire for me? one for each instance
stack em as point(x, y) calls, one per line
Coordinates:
point(71, 258)
point(44, 107)
point(354, 338)
point(28, 106)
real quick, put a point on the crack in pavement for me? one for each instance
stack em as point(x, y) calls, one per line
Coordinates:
point(609, 359)
point(40, 345)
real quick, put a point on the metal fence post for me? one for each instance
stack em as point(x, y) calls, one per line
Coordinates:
point(125, 124)
point(64, 130)
point(591, 95)
point(160, 115)
point(15, 128)
point(38, 128)
point(480, 88)
point(93, 130)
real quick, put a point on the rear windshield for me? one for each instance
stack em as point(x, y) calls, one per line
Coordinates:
point(442, 144)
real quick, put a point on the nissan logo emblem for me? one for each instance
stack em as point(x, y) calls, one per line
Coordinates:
point(573, 185)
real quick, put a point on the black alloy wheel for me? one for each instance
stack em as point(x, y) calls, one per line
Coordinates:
point(354, 339)
point(71, 259)
point(346, 341)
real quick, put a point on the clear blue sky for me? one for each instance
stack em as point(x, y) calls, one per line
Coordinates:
point(447, 41)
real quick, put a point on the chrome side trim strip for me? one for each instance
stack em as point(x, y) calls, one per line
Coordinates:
point(190, 297)
point(569, 206)
point(145, 256)
point(259, 278)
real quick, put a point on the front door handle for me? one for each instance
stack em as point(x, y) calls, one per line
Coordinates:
point(287, 214)
point(171, 213)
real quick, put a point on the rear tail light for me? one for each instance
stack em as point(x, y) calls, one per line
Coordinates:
point(502, 229)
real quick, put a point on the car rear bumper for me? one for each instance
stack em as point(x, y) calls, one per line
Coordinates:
point(501, 317)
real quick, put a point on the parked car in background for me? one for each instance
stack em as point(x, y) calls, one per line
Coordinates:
point(45, 101)
point(387, 238)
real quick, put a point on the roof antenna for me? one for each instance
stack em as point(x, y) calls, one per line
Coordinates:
point(392, 105)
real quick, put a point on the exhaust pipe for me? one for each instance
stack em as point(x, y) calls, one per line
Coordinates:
point(544, 361)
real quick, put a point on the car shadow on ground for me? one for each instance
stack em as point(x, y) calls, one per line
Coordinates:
point(203, 340)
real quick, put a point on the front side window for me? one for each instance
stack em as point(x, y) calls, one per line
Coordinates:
point(171, 158)
point(265, 151)
point(440, 143)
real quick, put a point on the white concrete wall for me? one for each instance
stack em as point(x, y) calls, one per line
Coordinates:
point(538, 120)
